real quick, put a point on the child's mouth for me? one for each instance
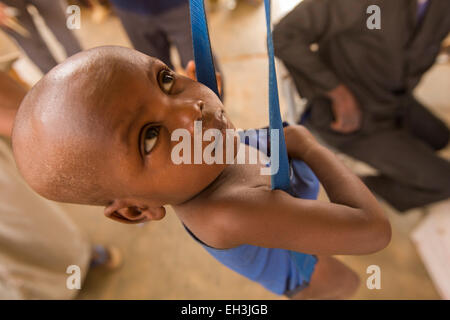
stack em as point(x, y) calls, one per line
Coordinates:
point(214, 119)
point(221, 120)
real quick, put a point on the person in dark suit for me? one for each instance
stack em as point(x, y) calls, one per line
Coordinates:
point(359, 86)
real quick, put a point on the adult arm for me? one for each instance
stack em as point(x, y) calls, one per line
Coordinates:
point(351, 223)
point(314, 21)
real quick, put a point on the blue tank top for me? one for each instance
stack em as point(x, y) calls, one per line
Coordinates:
point(278, 270)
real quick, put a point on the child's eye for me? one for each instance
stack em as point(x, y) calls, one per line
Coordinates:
point(150, 138)
point(166, 80)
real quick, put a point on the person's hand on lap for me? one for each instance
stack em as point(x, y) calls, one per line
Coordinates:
point(346, 110)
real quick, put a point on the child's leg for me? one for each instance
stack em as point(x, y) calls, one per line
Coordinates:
point(331, 280)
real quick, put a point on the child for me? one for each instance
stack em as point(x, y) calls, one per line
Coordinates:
point(98, 130)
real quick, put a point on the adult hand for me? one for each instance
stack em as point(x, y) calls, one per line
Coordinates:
point(346, 110)
point(190, 73)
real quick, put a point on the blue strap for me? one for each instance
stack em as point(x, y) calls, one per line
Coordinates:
point(206, 75)
point(280, 180)
point(204, 63)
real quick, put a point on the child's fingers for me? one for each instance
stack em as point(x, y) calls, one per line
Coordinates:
point(190, 70)
point(219, 82)
point(190, 73)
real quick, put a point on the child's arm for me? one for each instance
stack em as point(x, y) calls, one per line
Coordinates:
point(353, 223)
point(341, 185)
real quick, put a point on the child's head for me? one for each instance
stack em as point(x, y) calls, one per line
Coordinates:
point(97, 130)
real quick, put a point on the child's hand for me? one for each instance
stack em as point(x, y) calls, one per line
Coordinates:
point(190, 73)
point(298, 141)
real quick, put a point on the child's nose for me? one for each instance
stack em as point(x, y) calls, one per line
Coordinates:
point(199, 105)
point(193, 109)
point(184, 115)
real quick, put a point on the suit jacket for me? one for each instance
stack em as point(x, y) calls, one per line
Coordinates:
point(380, 66)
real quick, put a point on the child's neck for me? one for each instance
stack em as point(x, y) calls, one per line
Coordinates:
point(231, 177)
point(210, 188)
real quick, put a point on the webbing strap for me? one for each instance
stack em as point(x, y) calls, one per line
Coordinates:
point(206, 75)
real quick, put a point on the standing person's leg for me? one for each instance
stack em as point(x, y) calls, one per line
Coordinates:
point(177, 26)
point(145, 36)
point(38, 241)
point(55, 18)
point(34, 46)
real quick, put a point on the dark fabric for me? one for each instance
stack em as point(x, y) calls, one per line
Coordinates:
point(35, 47)
point(422, 9)
point(411, 174)
point(153, 34)
point(379, 66)
point(148, 6)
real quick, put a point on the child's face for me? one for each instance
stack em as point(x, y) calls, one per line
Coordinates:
point(149, 105)
point(111, 127)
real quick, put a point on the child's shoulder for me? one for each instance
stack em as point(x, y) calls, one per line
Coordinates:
point(214, 219)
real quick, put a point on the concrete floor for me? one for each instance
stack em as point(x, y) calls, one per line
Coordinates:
point(162, 262)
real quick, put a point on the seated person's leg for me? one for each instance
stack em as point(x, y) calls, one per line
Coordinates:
point(402, 197)
point(424, 125)
point(411, 174)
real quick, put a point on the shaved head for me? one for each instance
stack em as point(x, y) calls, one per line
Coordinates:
point(59, 125)
point(82, 133)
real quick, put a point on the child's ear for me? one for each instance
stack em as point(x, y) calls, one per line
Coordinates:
point(133, 214)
